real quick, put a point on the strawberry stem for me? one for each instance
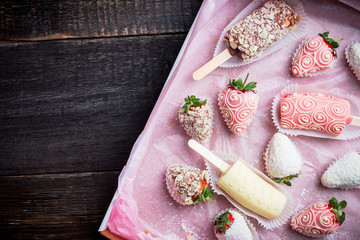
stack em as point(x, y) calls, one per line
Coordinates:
point(244, 84)
point(239, 85)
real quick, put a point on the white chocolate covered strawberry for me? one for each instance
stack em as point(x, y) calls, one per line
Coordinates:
point(318, 53)
point(344, 173)
point(283, 161)
point(353, 55)
point(188, 185)
point(320, 219)
point(196, 118)
point(230, 225)
point(238, 103)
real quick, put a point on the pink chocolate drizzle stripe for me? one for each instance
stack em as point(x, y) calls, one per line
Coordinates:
point(319, 219)
point(238, 108)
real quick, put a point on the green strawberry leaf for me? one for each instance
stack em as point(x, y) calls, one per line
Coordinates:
point(343, 204)
point(221, 222)
point(286, 180)
point(334, 202)
point(342, 218)
point(250, 86)
point(237, 84)
point(335, 53)
point(338, 209)
point(205, 195)
point(324, 35)
point(191, 101)
point(333, 44)
point(240, 85)
point(278, 180)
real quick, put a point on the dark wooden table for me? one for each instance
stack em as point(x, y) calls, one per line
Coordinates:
point(78, 80)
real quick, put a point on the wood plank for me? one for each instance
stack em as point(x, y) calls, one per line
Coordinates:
point(78, 105)
point(48, 19)
point(58, 206)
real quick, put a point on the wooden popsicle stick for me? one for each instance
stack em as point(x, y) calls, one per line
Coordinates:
point(208, 155)
point(212, 64)
point(355, 121)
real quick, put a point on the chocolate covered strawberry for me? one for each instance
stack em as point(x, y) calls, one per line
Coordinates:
point(318, 53)
point(188, 185)
point(343, 173)
point(196, 118)
point(231, 225)
point(238, 103)
point(282, 158)
point(320, 219)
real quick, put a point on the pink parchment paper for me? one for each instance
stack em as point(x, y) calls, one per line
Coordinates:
point(148, 204)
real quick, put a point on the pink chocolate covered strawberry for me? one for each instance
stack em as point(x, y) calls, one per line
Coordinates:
point(196, 118)
point(318, 53)
point(320, 219)
point(238, 104)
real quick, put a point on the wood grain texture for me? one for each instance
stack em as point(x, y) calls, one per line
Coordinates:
point(78, 105)
point(55, 206)
point(48, 19)
point(71, 110)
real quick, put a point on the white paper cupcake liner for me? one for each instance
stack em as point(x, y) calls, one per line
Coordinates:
point(288, 38)
point(250, 225)
point(332, 163)
point(314, 74)
point(266, 156)
point(209, 103)
point(170, 187)
point(357, 73)
point(349, 132)
point(264, 222)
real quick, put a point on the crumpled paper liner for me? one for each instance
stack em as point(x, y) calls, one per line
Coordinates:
point(288, 38)
point(209, 103)
point(347, 50)
point(267, 152)
point(349, 132)
point(332, 163)
point(250, 225)
point(314, 74)
point(264, 222)
point(170, 186)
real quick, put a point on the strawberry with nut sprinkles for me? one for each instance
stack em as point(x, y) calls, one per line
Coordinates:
point(188, 185)
point(196, 118)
